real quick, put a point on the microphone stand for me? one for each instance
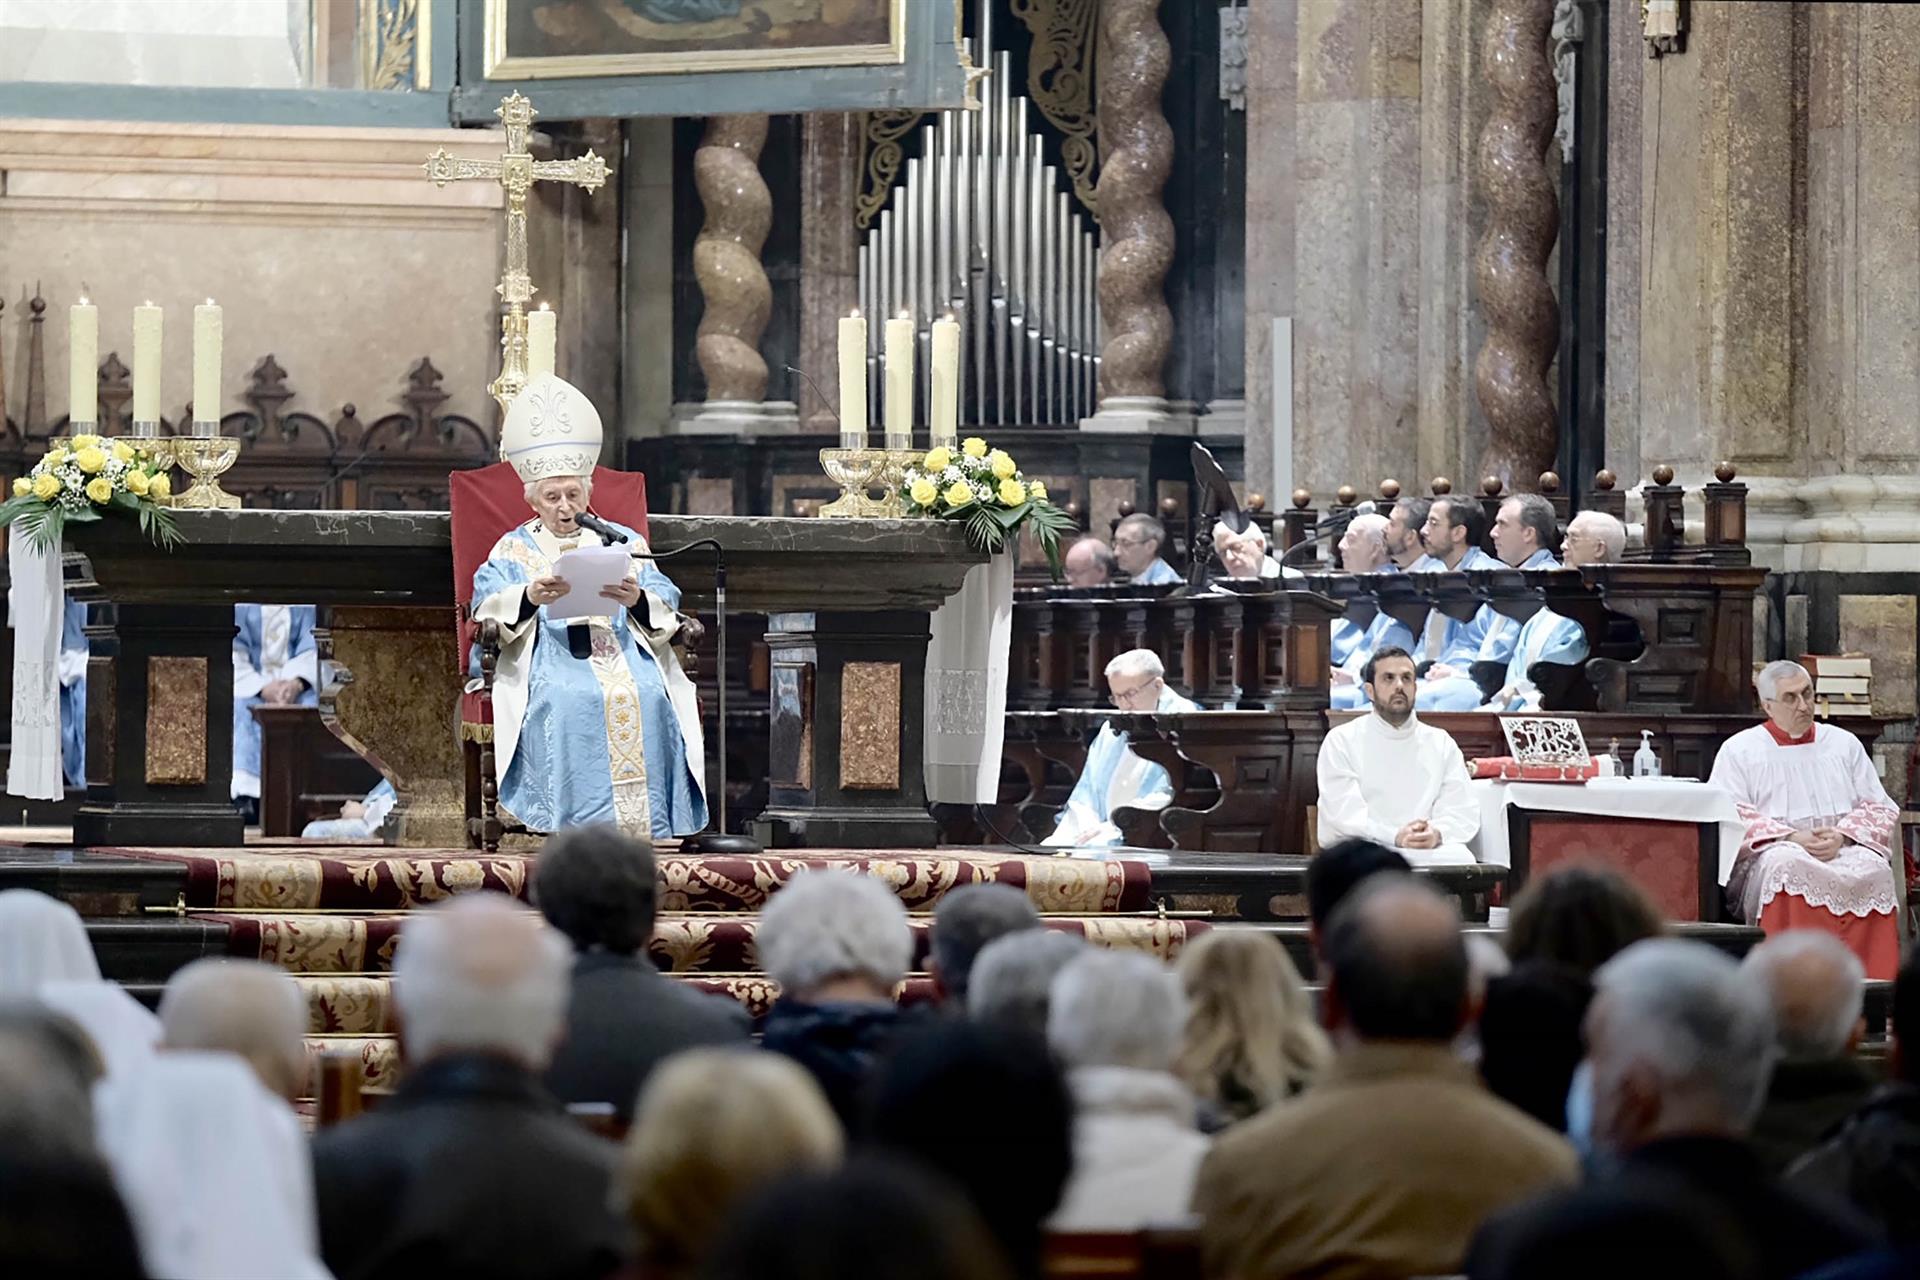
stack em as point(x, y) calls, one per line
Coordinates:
point(717, 840)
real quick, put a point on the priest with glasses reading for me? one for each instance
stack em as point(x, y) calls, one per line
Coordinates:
point(594, 721)
point(1114, 777)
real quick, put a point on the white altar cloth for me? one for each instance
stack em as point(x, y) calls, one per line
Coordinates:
point(1658, 799)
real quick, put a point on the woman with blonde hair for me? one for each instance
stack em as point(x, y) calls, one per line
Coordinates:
point(712, 1127)
point(1251, 1036)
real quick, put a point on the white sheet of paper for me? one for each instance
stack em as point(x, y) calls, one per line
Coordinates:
point(586, 570)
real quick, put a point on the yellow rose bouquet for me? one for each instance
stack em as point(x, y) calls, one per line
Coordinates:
point(86, 478)
point(983, 488)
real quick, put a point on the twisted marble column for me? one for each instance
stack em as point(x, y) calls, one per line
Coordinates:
point(726, 257)
point(1136, 146)
point(1523, 318)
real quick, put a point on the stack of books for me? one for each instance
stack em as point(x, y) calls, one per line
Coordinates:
point(1842, 684)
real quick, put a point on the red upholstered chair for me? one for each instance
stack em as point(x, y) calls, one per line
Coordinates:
point(487, 502)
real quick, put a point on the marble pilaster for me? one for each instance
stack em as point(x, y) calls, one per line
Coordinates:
point(829, 263)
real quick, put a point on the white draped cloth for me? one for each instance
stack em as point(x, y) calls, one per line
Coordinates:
point(1376, 778)
point(45, 956)
point(213, 1168)
point(36, 608)
point(965, 712)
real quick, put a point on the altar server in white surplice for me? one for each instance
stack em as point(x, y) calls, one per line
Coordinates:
point(1114, 777)
point(1363, 549)
point(1820, 828)
point(276, 664)
point(1388, 778)
point(1593, 537)
point(594, 721)
point(1524, 533)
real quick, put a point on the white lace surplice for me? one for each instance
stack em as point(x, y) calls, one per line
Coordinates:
point(1829, 782)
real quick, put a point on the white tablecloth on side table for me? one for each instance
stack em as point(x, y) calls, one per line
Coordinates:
point(1656, 799)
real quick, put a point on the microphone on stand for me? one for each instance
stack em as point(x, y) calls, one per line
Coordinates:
point(594, 524)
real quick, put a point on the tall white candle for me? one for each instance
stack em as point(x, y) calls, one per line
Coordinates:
point(853, 381)
point(542, 339)
point(146, 363)
point(899, 406)
point(943, 427)
point(207, 325)
point(83, 363)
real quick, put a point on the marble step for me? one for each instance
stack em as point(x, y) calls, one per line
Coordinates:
point(94, 886)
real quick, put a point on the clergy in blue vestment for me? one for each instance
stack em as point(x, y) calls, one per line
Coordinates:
point(73, 694)
point(275, 664)
point(1137, 540)
point(593, 719)
point(1452, 536)
point(1114, 777)
point(1524, 533)
point(1363, 549)
point(1593, 537)
point(1406, 536)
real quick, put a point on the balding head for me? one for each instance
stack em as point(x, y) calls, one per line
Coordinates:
point(1817, 987)
point(480, 974)
point(1363, 547)
point(245, 1008)
point(1090, 563)
point(1593, 537)
point(1397, 968)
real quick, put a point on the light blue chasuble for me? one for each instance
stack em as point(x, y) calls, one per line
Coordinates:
point(1546, 637)
point(1113, 778)
point(1382, 632)
point(1493, 636)
point(613, 737)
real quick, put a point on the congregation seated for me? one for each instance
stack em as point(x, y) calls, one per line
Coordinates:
point(1680, 1045)
point(1386, 1165)
point(1012, 980)
point(1388, 778)
point(1525, 535)
point(712, 1127)
point(1818, 992)
point(1335, 872)
point(1529, 1037)
point(597, 886)
point(1820, 827)
point(471, 1168)
point(1117, 1021)
point(1363, 549)
point(1871, 1160)
point(1592, 537)
point(1251, 1039)
point(1137, 543)
point(1578, 915)
point(1089, 562)
point(594, 721)
point(965, 922)
point(988, 1110)
point(276, 663)
point(246, 1008)
point(45, 957)
point(838, 944)
point(1113, 776)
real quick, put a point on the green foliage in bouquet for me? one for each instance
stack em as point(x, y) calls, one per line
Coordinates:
point(84, 479)
point(983, 489)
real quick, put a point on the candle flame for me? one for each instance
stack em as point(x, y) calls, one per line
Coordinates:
point(905, 314)
point(545, 307)
point(210, 302)
point(854, 314)
point(84, 302)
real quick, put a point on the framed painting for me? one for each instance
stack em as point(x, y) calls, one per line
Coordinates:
point(709, 57)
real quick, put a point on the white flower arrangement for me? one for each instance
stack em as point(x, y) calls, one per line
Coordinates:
point(984, 488)
point(77, 481)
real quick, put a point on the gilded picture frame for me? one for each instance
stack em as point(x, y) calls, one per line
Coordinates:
point(618, 21)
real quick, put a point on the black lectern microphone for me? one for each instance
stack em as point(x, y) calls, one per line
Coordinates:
point(594, 524)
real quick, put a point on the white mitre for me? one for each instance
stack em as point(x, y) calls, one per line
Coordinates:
point(552, 429)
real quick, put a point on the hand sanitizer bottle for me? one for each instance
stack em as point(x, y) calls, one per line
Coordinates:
point(1645, 763)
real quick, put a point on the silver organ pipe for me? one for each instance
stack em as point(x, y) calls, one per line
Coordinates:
point(982, 228)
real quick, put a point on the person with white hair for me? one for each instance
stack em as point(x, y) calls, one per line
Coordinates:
point(1818, 991)
point(1592, 537)
point(1679, 1047)
point(1243, 553)
point(1113, 776)
point(243, 1007)
point(965, 921)
point(1012, 982)
point(1117, 1022)
point(1820, 829)
point(471, 1168)
point(838, 943)
point(593, 719)
point(45, 956)
point(1363, 549)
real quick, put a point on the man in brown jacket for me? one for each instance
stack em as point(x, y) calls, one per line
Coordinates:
point(1388, 1165)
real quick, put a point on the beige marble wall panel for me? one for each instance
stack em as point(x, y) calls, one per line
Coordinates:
point(1883, 627)
point(1627, 68)
point(647, 363)
point(1272, 81)
point(1887, 425)
point(327, 248)
point(829, 256)
point(1826, 407)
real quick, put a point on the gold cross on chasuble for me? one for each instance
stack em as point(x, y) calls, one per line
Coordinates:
point(516, 171)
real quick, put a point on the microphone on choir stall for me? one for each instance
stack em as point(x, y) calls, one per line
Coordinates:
point(594, 524)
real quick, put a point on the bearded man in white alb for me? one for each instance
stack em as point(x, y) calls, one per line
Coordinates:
point(1820, 827)
point(1388, 778)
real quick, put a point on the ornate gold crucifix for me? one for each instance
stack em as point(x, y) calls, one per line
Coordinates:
point(516, 171)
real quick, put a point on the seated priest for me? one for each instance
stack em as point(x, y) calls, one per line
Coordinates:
point(1525, 534)
point(1363, 549)
point(275, 664)
point(1387, 778)
point(73, 694)
point(594, 721)
point(1593, 537)
point(1243, 554)
point(1114, 777)
point(1137, 540)
point(1406, 541)
point(1819, 846)
point(1089, 562)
